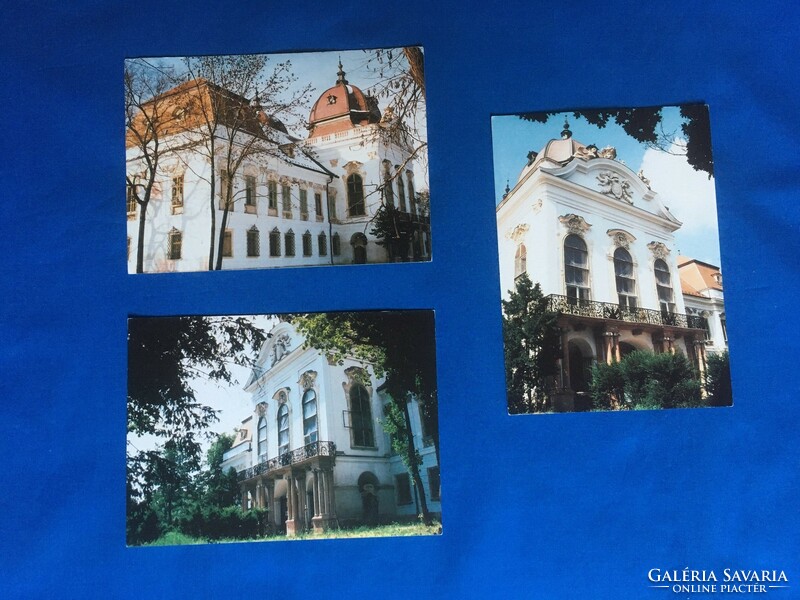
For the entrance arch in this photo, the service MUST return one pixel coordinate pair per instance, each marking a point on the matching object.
(580, 372)
(359, 243)
(368, 488)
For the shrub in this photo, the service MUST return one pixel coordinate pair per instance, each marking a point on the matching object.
(718, 380)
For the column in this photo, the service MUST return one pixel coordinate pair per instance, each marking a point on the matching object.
(315, 487)
(243, 489)
(617, 349)
(566, 383)
(260, 493)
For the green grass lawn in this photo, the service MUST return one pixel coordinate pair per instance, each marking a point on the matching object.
(392, 530)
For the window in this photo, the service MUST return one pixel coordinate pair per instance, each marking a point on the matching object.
(288, 243)
(388, 192)
(262, 439)
(412, 199)
(283, 429)
(433, 483)
(286, 199)
(130, 201)
(304, 204)
(250, 193)
(309, 416)
(576, 268)
(626, 283)
(332, 207)
(177, 195)
(225, 200)
(275, 242)
(318, 205)
(253, 242)
(336, 244)
(401, 192)
(402, 484)
(307, 244)
(272, 188)
(129, 247)
(322, 244)
(175, 242)
(664, 287)
(724, 325)
(361, 417)
(355, 195)
(520, 261)
(227, 244)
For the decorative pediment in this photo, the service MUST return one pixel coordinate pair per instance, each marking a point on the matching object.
(308, 379)
(261, 409)
(280, 348)
(281, 395)
(621, 238)
(517, 233)
(574, 223)
(357, 375)
(611, 184)
(352, 167)
(658, 249)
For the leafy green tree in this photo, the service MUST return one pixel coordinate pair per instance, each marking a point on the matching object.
(643, 125)
(220, 488)
(531, 340)
(718, 380)
(644, 380)
(400, 346)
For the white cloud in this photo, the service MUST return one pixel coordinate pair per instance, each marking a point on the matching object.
(689, 194)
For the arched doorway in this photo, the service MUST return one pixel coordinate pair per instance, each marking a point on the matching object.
(359, 244)
(368, 488)
(580, 373)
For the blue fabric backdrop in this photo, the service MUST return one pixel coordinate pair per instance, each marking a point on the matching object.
(567, 506)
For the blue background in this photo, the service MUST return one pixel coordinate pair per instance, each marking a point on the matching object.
(560, 506)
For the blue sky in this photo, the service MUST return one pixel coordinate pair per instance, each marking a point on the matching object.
(689, 194)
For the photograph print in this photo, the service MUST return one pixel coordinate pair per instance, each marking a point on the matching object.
(275, 427)
(610, 269)
(259, 161)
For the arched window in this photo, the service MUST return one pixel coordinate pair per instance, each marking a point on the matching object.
(401, 192)
(576, 269)
(322, 244)
(520, 261)
(253, 242)
(307, 243)
(388, 191)
(275, 242)
(288, 243)
(309, 416)
(361, 417)
(262, 439)
(664, 287)
(626, 283)
(359, 243)
(283, 429)
(175, 244)
(355, 195)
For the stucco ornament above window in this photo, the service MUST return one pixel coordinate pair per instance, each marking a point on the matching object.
(615, 186)
(308, 379)
(621, 238)
(658, 249)
(574, 223)
(281, 347)
(261, 409)
(517, 233)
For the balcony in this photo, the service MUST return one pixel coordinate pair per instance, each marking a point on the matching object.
(293, 457)
(614, 312)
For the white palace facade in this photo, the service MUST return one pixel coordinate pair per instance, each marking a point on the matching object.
(313, 451)
(294, 203)
(600, 242)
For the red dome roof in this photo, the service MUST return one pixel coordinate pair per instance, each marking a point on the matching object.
(341, 107)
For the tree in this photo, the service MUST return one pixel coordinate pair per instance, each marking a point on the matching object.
(643, 380)
(643, 125)
(219, 488)
(147, 120)
(165, 356)
(531, 341)
(240, 101)
(400, 346)
(718, 380)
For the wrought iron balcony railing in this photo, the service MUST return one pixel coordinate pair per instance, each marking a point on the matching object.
(289, 458)
(607, 310)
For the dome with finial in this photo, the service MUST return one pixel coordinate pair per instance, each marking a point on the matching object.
(342, 107)
(557, 151)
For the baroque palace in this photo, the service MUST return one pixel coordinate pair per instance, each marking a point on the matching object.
(313, 451)
(292, 202)
(600, 242)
